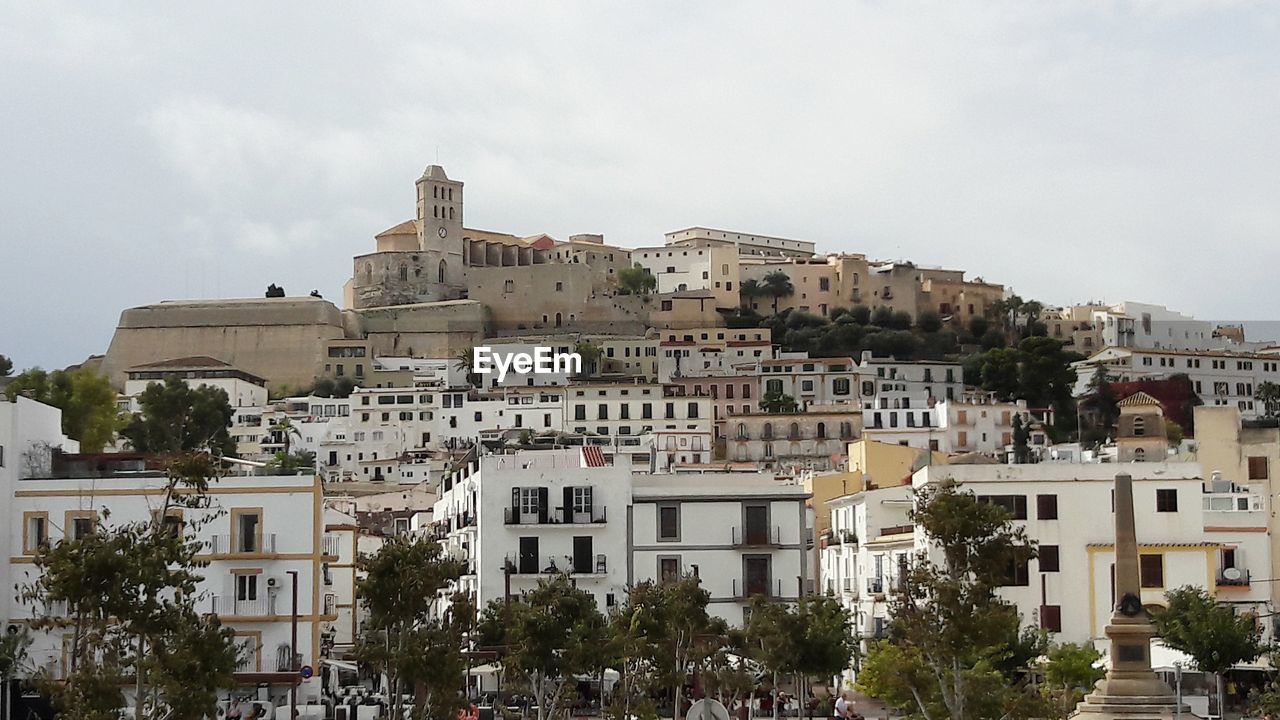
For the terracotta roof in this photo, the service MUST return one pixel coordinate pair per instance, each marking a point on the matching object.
(196, 361)
(408, 227)
(1137, 399)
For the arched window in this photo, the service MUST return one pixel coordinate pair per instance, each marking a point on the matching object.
(435, 191)
(450, 213)
(1139, 455)
(444, 270)
(559, 320)
(435, 211)
(1139, 426)
(404, 271)
(451, 194)
(766, 432)
(742, 431)
(794, 431)
(822, 430)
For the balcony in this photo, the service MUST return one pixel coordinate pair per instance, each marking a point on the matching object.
(875, 586)
(1232, 577)
(849, 586)
(594, 515)
(757, 536)
(593, 566)
(228, 605)
(842, 537)
(264, 544)
(329, 545)
(745, 590)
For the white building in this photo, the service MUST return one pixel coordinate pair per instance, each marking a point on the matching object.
(811, 381)
(1220, 378)
(516, 519)
(1140, 325)
(889, 384)
(243, 389)
(257, 532)
(742, 534)
(747, 243)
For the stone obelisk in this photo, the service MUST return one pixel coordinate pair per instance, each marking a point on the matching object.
(1130, 690)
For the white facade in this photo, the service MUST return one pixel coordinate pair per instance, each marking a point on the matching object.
(1140, 325)
(519, 518)
(811, 381)
(257, 530)
(1219, 378)
(890, 384)
(747, 243)
(610, 409)
(741, 534)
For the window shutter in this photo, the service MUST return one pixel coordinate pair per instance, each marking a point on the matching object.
(542, 504)
(568, 504)
(515, 504)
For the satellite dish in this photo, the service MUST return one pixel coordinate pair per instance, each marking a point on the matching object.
(1232, 573)
(707, 709)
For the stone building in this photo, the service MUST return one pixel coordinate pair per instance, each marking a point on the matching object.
(1140, 431)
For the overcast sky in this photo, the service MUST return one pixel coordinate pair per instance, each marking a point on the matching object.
(1073, 151)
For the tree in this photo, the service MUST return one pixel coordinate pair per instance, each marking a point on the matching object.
(1021, 450)
(1210, 632)
(1069, 672)
(1101, 399)
(87, 401)
(1173, 433)
(1268, 394)
(978, 326)
(636, 280)
(778, 402)
(929, 322)
(749, 290)
(590, 355)
(403, 636)
(882, 316)
(293, 463)
(861, 314)
(778, 285)
(287, 431)
(6, 366)
(551, 634)
(951, 635)
(901, 320)
(771, 640)
(176, 417)
(131, 609)
(827, 640)
(13, 660)
(275, 291)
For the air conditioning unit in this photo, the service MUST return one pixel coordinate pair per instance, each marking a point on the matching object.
(273, 583)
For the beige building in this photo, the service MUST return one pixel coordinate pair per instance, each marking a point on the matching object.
(1140, 430)
(814, 439)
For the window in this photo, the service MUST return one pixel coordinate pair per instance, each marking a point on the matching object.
(79, 524)
(1048, 558)
(669, 523)
(247, 586)
(246, 524)
(840, 386)
(668, 569)
(693, 410)
(1016, 505)
(582, 499)
(35, 532)
(1166, 500)
(1139, 426)
(529, 500)
(1017, 572)
(1258, 468)
(1046, 507)
(1051, 618)
(1151, 570)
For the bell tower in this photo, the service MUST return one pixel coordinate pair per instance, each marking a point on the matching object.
(440, 227)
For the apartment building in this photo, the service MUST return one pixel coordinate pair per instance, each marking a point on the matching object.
(1219, 378)
(243, 389)
(889, 383)
(747, 244)
(742, 535)
(814, 439)
(634, 408)
(516, 519)
(259, 532)
(712, 267)
(811, 381)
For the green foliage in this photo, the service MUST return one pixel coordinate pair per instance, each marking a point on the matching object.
(777, 285)
(978, 326)
(901, 320)
(13, 652)
(992, 339)
(130, 597)
(1021, 450)
(1069, 673)
(778, 402)
(861, 314)
(293, 463)
(87, 401)
(178, 418)
(955, 644)
(636, 281)
(1038, 370)
(882, 316)
(6, 366)
(1268, 394)
(551, 633)
(929, 322)
(1173, 432)
(401, 636)
(1210, 632)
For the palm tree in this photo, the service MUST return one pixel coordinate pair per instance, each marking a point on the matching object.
(287, 431)
(1269, 395)
(750, 289)
(463, 362)
(778, 285)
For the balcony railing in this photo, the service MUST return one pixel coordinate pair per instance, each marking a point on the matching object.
(230, 605)
(236, 545)
(1240, 579)
(753, 536)
(875, 586)
(743, 590)
(595, 564)
(594, 515)
(329, 545)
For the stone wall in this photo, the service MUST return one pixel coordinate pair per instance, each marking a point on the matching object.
(441, 329)
(556, 297)
(281, 339)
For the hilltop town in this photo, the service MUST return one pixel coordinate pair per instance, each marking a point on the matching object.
(748, 411)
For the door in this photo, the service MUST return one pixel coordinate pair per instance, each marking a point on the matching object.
(583, 558)
(528, 563)
(756, 575)
(756, 519)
